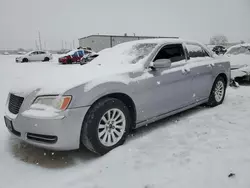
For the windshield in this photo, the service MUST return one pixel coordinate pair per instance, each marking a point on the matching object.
(126, 53)
(72, 52)
(239, 50)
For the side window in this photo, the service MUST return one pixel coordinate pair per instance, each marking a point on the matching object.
(80, 53)
(41, 52)
(196, 51)
(174, 52)
(34, 53)
(75, 54)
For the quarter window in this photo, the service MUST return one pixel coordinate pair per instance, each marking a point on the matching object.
(174, 52)
(196, 51)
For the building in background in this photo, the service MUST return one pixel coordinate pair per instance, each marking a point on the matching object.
(100, 42)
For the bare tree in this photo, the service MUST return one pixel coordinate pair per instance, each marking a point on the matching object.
(218, 40)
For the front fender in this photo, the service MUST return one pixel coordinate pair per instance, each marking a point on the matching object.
(222, 67)
(85, 95)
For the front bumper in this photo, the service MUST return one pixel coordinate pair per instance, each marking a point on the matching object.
(61, 132)
(18, 60)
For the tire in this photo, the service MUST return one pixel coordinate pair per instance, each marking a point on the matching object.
(217, 95)
(69, 61)
(91, 131)
(82, 63)
(25, 60)
(46, 59)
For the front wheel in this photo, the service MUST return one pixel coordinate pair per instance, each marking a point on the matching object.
(25, 60)
(106, 126)
(69, 61)
(218, 92)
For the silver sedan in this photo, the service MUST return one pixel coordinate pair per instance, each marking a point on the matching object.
(125, 87)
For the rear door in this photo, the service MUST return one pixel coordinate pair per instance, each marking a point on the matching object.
(201, 68)
(42, 55)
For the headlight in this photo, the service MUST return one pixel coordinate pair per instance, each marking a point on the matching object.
(58, 102)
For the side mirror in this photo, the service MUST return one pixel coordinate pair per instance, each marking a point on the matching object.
(162, 63)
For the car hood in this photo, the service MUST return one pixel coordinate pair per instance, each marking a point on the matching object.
(239, 61)
(240, 65)
(57, 79)
(21, 56)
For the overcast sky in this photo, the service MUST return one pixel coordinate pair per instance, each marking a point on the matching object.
(68, 20)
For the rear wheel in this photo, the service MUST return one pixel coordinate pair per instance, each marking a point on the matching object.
(69, 61)
(46, 59)
(218, 92)
(106, 126)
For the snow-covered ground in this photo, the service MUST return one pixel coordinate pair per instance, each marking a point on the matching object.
(198, 148)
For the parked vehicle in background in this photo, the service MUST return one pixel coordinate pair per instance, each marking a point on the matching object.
(239, 56)
(219, 50)
(63, 51)
(88, 58)
(84, 48)
(74, 56)
(125, 87)
(35, 56)
(91, 56)
(210, 46)
(21, 53)
(6, 53)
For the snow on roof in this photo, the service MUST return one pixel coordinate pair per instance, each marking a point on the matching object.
(128, 36)
(72, 52)
(161, 41)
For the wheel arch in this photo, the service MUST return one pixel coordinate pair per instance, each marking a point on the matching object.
(224, 76)
(126, 99)
(25, 59)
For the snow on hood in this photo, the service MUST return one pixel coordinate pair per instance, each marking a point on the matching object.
(109, 65)
(57, 79)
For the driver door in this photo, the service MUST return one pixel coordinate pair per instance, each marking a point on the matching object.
(33, 56)
(166, 89)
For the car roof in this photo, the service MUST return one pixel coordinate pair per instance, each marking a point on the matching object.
(37, 51)
(239, 45)
(162, 41)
